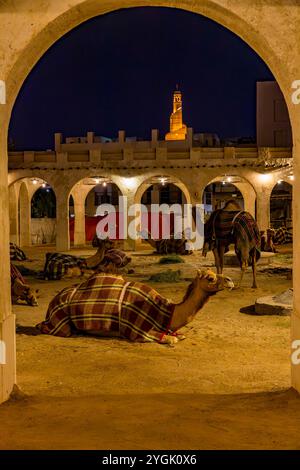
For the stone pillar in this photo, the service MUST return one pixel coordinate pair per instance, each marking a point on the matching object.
(14, 213)
(295, 320)
(263, 208)
(25, 215)
(62, 220)
(155, 194)
(249, 196)
(7, 319)
(90, 203)
(79, 195)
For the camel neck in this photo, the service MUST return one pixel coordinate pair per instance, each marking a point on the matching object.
(185, 311)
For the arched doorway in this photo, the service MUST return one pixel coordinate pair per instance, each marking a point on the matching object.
(225, 187)
(32, 212)
(85, 199)
(163, 199)
(216, 195)
(247, 22)
(281, 205)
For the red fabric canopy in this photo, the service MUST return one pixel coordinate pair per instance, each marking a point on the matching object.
(116, 231)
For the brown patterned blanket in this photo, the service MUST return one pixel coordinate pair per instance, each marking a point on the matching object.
(223, 227)
(107, 303)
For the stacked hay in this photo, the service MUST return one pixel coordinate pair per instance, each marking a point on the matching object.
(171, 259)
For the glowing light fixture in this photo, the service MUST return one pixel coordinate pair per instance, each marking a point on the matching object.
(130, 183)
(163, 181)
(104, 184)
(43, 185)
(265, 177)
(97, 180)
(291, 177)
(34, 181)
(229, 179)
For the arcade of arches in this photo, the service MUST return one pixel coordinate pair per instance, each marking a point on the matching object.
(254, 22)
(267, 200)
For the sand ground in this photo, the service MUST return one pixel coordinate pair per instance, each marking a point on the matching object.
(227, 385)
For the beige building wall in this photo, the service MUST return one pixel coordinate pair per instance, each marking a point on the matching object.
(273, 127)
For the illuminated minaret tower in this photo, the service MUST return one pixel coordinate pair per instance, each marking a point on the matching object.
(178, 130)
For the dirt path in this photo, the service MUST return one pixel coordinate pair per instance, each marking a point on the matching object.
(228, 375)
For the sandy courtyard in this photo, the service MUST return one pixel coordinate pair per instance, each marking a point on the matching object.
(227, 385)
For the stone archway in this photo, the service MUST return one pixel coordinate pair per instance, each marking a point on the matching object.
(254, 23)
(281, 205)
(87, 195)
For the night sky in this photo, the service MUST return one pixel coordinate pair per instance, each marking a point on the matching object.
(119, 71)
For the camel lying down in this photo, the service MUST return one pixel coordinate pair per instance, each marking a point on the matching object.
(107, 305)
(20, 290)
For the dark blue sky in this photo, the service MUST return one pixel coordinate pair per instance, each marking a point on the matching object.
(119, 71)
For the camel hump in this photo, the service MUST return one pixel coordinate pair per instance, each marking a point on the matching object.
(232, 205)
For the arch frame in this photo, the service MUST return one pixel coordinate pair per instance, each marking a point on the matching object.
(254, 23)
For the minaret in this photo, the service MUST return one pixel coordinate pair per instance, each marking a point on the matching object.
(178, 130)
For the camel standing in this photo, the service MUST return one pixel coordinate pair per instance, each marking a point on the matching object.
(232, 225)
(107, 305)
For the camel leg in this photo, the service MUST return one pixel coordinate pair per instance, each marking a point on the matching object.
(243, 269)
(217, 260)
(254, 284)
(221, 258)
(169, 340)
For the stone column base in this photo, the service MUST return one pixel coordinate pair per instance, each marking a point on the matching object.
(296, 367)
(7, 370)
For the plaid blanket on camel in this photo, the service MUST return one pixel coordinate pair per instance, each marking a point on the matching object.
(245, 229)
(115, 256)
(16, 254)
(57, 264)
(172, 245)
(218, 229)
(107, 303)
(282, 236)
(15, 274)
(225, 226)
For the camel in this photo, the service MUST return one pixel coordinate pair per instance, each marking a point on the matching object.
(60, 265)
(232, 225)
(20, 291)
(168, 245)
(107, 305)
(113, 258)
(16, 253)
(279, 236)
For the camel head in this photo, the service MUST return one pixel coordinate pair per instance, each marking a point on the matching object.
(211, 282)
(29, 296)
(104, 244)
(270, 233)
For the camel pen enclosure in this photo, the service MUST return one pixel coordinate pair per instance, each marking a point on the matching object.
(236, 375)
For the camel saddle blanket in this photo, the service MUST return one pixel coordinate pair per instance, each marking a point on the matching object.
(245, 226)
(15, 274)
(219, 227)
(57, 264)
(107, 303)
(172, 245)
(16, 253)
(282, 236)
(117, 257)
(222, 226)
